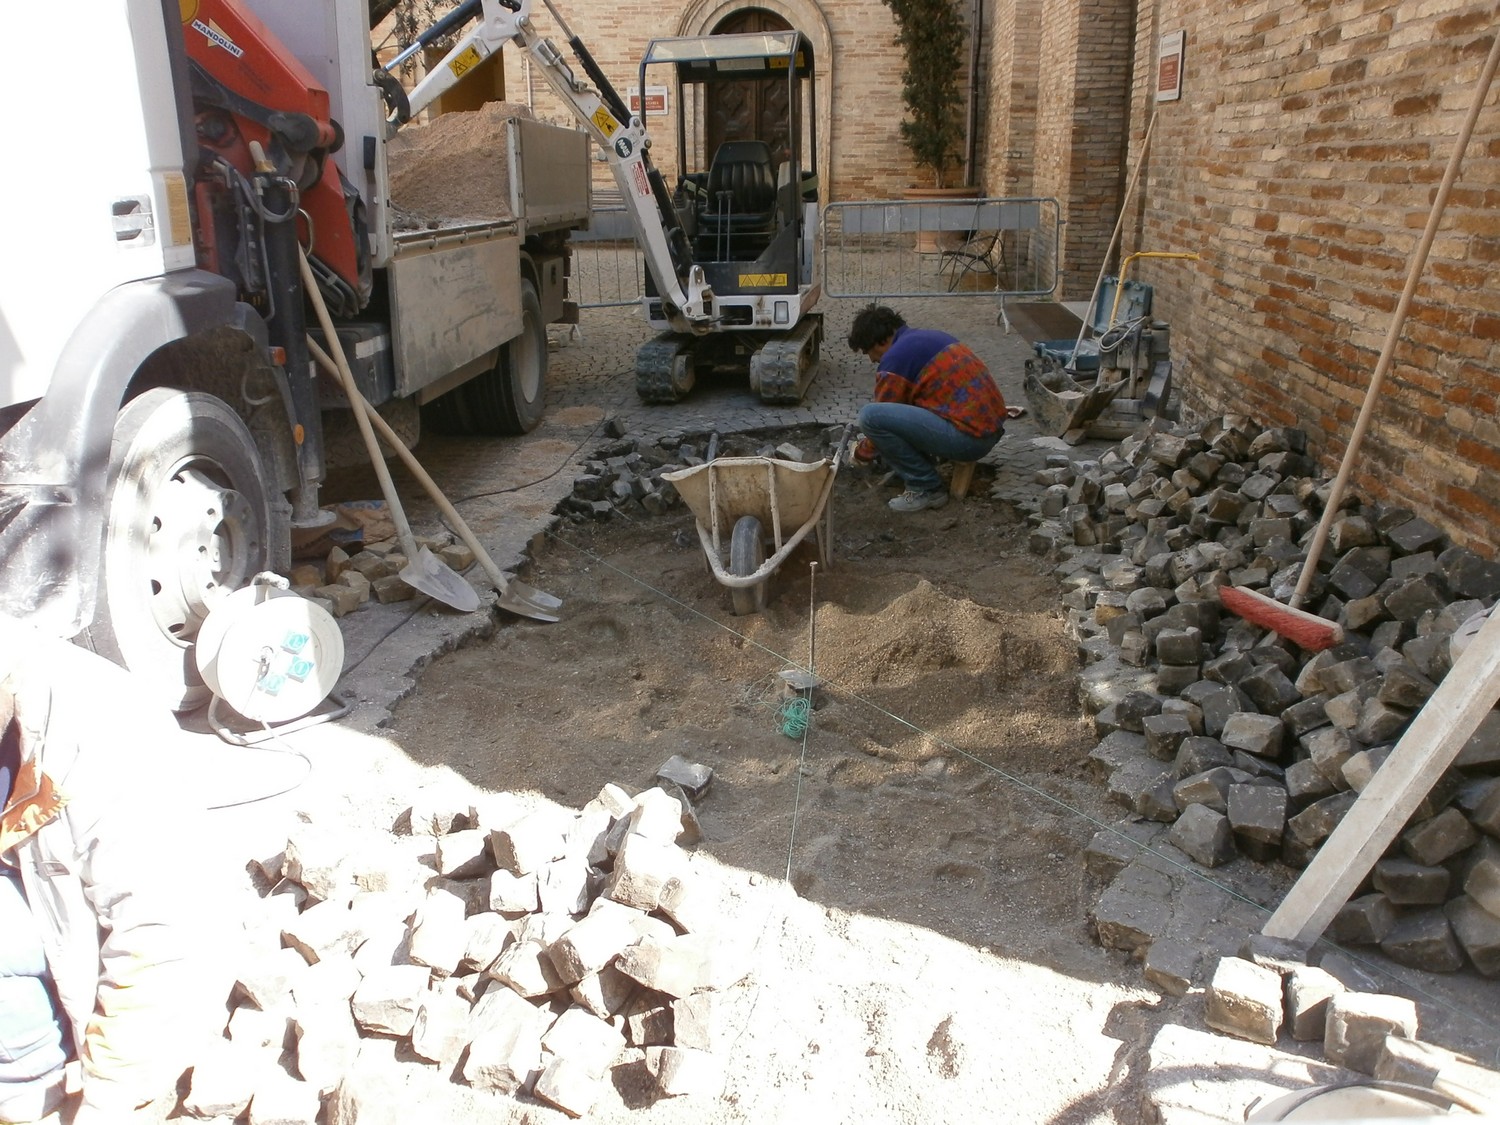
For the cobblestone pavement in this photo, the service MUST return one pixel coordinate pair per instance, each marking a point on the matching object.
(594, 367)
(508, 488)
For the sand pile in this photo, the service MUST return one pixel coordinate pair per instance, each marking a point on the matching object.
(454, 169)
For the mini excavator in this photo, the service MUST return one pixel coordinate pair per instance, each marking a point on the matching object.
(729, 249)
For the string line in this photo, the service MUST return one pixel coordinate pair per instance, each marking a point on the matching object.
(1020, 783)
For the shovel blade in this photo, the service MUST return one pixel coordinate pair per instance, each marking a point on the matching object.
(436, 579)
(527, 601)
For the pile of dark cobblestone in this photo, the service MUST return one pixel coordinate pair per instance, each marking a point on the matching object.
(628, 476)
(1241, 741)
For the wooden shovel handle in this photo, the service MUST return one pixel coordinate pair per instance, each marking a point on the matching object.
(371, 416)
(340, 366)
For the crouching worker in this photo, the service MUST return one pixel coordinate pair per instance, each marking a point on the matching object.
(934, 399)
(105, 964)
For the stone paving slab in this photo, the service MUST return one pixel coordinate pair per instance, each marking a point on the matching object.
(1195, 1076)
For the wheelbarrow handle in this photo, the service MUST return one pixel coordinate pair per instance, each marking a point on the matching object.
(844, 440)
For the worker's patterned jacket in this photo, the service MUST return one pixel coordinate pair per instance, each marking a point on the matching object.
(931, 369)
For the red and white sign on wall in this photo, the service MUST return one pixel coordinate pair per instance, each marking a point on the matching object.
(1169, 67)
(656, 101)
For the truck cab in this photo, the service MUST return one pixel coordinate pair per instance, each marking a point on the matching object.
(163, 429)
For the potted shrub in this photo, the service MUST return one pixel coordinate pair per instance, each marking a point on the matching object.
(931, 34)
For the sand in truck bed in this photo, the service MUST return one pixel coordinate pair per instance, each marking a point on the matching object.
(453, 170)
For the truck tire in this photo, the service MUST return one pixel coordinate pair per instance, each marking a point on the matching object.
(189, 523)
(510, 397)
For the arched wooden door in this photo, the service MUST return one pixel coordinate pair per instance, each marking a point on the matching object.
(747, 111)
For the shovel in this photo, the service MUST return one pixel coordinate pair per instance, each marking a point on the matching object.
(515, 596)
(423, 570)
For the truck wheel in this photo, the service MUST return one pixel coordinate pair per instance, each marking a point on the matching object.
(523, 370)
(189, 523)
(747, 553)
(510, 397)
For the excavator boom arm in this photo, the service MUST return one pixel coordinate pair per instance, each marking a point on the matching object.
(686, 297)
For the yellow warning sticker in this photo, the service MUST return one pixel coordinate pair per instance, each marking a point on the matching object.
(466, 62)
(607, 124)
(776, 64)
(761, 280)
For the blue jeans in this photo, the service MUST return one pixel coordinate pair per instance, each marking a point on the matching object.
(912, 439)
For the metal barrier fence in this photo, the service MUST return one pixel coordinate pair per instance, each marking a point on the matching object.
(996, 247)
(1003, 248)
(607, 267)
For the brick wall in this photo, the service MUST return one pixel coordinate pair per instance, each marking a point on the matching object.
(858, 127)
(1059, 93)
(859, 79)
(869, 158)
(1301, 163)
(1011, 96)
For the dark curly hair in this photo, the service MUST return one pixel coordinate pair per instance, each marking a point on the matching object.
(873, 324)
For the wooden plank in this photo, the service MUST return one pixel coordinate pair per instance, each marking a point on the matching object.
(1428, 747)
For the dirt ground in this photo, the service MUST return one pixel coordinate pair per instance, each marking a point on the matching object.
(933, 963)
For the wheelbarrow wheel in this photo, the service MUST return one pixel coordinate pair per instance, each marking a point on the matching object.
(747, 554)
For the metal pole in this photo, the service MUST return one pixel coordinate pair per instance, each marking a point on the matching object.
(812, 617)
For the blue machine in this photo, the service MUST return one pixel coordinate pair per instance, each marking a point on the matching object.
(1135, 305)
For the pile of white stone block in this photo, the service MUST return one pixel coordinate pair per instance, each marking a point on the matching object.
(1271, 993)
(520, 948)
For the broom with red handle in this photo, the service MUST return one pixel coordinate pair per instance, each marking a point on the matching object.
(1305, 629)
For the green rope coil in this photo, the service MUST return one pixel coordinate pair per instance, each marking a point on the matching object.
(796, 715)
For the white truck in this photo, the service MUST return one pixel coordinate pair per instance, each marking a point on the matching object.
(162, 426)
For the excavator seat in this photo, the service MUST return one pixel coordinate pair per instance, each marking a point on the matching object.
(740, 208)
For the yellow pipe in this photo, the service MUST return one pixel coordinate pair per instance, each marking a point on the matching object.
(1120, 287)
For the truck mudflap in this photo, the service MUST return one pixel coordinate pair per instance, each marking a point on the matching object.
(54, 462)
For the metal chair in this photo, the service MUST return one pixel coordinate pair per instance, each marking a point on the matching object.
(980, 252)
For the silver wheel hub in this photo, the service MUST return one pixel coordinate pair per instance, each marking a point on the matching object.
(199, 535)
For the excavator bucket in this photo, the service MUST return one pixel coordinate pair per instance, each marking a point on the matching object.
(1061, 404)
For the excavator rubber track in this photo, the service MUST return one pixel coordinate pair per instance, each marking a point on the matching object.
(664, 371)
(782, 368)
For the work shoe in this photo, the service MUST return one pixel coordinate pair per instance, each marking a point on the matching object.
(914, 501)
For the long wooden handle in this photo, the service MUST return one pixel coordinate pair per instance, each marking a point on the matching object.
(346, 378)
(1088, 316)
(1398, 321)
(371, 416)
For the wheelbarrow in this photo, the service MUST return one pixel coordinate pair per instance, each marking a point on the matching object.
(753, 502)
